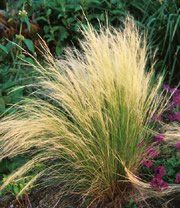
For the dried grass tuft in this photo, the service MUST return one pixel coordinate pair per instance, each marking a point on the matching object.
(90, 112)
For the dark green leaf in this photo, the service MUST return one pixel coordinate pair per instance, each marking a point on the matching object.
(4, 49)
(29, 45)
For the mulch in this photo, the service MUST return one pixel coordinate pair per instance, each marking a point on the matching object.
(48, 198)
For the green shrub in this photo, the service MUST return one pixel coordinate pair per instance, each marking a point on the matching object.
(60, 21)
(159, 19)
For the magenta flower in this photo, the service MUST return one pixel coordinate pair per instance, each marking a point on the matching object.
(152, 153)
(166, 87)
(147, 163)
(158, 184)
(174, 117)
(177, 145)
(176, 99)
(177, 116)
(159, 138)
(171, 117)
(160, 171)
(174, 90)
(177, 180)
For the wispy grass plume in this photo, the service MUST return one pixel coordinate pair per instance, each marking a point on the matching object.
(91, 111)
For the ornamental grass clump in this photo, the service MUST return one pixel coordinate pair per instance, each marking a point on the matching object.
(89, 114)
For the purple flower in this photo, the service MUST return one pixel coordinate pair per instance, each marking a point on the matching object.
(152, 153)
(159, 138)
(174, 90)
(160, 171)
(174, 117)
(147, 163)
(177, 145)
(176, 99)
(171, 117)
(166, 87)
(158, 184)
(177, 116)
(177, 180)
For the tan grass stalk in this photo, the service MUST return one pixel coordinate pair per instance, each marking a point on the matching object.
(172, 133)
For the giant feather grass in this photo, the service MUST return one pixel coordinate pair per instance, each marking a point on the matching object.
(91, 110)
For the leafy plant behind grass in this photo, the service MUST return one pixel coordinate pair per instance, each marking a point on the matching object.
(12, 81)
(60, 20)
(92, 110)
(162, 24)
(160, 19)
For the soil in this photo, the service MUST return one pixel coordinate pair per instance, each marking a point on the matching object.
(44, 198)
(48, 198)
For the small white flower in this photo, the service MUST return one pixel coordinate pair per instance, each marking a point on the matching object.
(22, 13)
